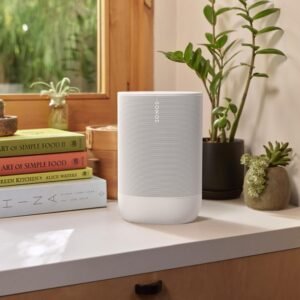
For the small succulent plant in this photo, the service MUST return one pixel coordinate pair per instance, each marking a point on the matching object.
(57, 92)
(277, 154)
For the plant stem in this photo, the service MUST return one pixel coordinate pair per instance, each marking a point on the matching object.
(246, 90)
(214, 36)
(214, 131)
(223, 136)
(212, 117)
(221, 80)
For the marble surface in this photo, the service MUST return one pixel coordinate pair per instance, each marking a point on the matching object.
(58, 249)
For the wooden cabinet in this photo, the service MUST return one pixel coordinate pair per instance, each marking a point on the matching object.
(270, 276)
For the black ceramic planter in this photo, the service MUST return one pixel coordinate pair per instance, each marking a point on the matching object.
(223, 173)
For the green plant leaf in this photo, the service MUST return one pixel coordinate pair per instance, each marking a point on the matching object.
(265, 13)
(210, 14)
(260, 75)
(268, 152)
(203, 68)
(188, 53)
(245, 16)
(215, 55)
(233, 108)
(283, 162)
(270, 51)
(221, 122)
(211, 47)
(176, 56)
(214, 86)
(250, 28)
(284, 146)
(271, 146)
(246, 65)
(218, 110)
(209, 37)
(277, 146)
(40, 83)
(275, 155)
(259, 3)
(220, 43)
(268, 29)
(216, 123)
(196, 57)
(223, 10)
(251, 46)
(243, 2)
(207, 69)
(229, 47)
(240, 9)
(223, 33)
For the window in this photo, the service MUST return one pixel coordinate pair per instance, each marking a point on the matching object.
(125, 64)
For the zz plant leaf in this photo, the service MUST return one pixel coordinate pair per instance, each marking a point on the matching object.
(269, 29)
(221, 41)
(176, 56)
(209, 37)
(188, 53)
(265, 13)
(223, 10)
(210, 14)
(270, 51)
(257, 4)
(260, 75)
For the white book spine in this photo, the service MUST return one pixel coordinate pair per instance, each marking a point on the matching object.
(52, 197)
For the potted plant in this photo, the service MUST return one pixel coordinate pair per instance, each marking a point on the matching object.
(266, 184)
(213, 62)
(8, 124)
(58, 117)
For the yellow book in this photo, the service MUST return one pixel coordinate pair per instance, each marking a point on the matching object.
(41, 141)
(46, 177)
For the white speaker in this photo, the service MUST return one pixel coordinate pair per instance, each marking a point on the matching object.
(159, 156)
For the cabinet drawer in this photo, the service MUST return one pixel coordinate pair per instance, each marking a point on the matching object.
(271, 276)
(113, 289)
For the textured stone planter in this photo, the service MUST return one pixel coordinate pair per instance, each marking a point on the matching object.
(277, 193)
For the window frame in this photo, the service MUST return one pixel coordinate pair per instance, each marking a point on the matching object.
(102, 63)
(128, 63)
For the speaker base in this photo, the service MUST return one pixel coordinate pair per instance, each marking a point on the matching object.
(159, 210)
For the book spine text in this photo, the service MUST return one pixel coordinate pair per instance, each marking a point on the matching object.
(52, 197)
(45, 177)
(42, 163)
(58, 144)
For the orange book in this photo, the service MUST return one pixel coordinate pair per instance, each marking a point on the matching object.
(42, 163)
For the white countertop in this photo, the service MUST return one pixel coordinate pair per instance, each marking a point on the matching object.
(52, 250)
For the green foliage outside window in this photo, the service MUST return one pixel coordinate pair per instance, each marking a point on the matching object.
(47, 40)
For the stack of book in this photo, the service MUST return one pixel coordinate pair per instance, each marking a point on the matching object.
(45, 170)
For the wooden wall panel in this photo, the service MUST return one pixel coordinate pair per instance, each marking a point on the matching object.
(130, 67)
(141, 48)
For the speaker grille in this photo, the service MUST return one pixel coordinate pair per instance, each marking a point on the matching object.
(160, 144)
